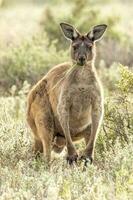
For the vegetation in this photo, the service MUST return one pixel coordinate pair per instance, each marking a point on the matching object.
(22, 63)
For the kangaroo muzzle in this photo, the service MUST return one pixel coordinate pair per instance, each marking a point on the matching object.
(81, 60)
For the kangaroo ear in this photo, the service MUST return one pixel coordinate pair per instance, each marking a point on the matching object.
(97, 32)
(69, 31)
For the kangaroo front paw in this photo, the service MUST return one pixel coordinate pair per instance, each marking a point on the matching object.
(88, 159)
(72, 158)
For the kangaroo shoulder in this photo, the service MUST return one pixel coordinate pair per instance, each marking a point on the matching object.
(57, 70)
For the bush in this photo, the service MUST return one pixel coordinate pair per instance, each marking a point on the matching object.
(118, 120)
(29, 61)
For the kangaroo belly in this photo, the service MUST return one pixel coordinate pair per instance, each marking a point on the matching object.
(80, 112)
(80, 121)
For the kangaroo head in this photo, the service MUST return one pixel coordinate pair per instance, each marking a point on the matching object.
(82, 46)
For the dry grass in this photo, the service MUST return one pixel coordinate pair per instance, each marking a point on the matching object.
(24, 177)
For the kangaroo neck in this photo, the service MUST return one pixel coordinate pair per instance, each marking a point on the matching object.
(78, 73)
(87, 68)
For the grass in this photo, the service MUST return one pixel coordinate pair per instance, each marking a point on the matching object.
(24, 177)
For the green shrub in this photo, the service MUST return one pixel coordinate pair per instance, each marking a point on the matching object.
(118, 119)
(29, 61)
(109, 76)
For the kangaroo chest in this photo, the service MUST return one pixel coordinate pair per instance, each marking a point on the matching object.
(78, 94)
(80, 99)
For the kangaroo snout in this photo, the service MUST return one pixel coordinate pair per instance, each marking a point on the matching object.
(81, 60)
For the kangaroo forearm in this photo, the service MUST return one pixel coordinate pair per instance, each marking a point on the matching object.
(96, 122)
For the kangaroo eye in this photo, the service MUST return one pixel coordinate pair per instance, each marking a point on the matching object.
(89, 47)
(75, 47)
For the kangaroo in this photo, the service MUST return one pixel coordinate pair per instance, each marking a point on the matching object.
(66, 105)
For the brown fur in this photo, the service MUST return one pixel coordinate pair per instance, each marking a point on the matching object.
(66, 106)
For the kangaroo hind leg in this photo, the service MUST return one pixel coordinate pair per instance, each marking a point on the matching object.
(44, 123)
(37, 146)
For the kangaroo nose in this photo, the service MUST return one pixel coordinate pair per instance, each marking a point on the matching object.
(81, 60)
